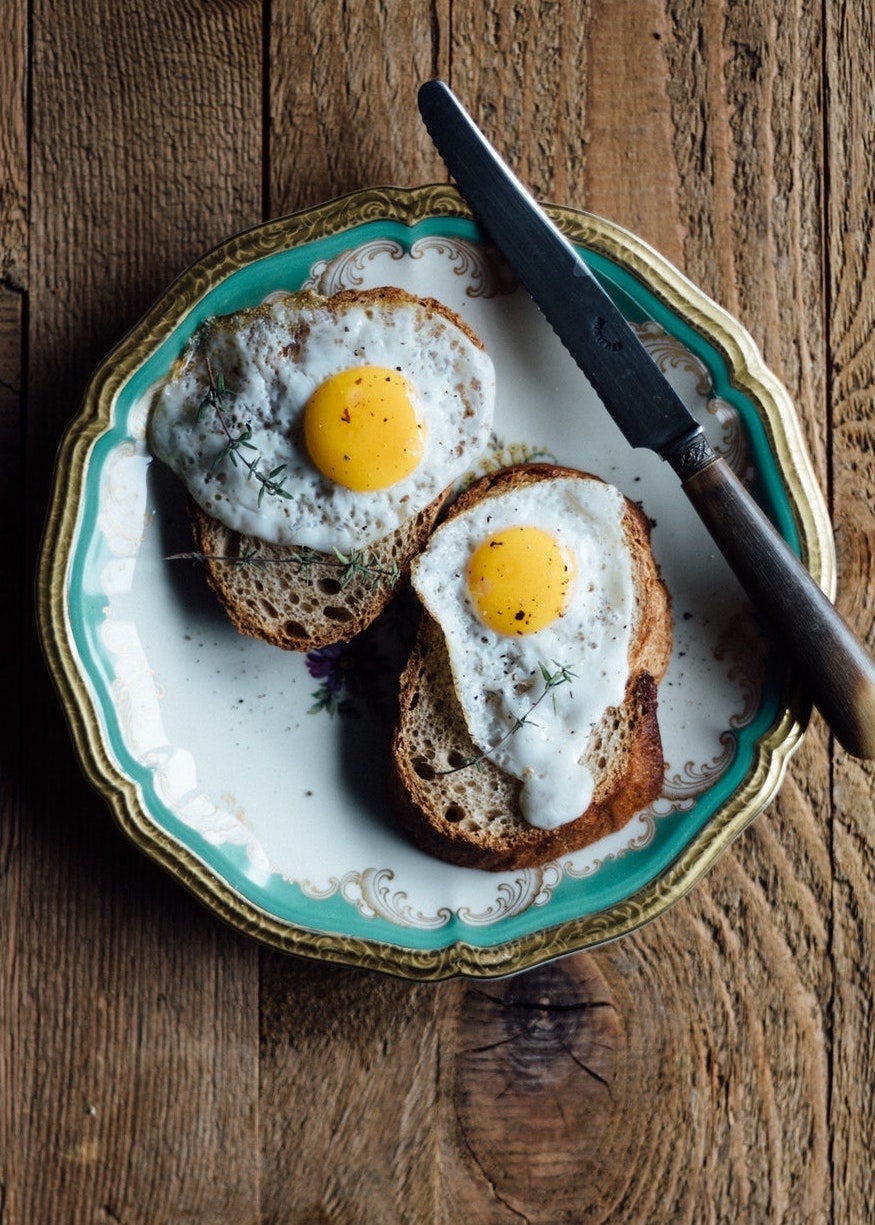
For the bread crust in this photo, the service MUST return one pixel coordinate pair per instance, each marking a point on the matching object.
(268, 594)
(470, 816)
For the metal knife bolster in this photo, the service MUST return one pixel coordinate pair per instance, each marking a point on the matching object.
(689, 454)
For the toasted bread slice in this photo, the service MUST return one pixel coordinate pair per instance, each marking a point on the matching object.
(298, 599)
(272, 586)
(470, 814)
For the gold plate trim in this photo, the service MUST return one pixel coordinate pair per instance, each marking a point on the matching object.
(410, 206)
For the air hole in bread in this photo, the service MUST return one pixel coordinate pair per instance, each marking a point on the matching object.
(329, 586)
(456, 759)
(454, 813)
(334, 613)
(424, 769)
(294, 629)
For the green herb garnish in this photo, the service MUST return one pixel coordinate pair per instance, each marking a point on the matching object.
(349, 566)
(552, 680)
(236, 444)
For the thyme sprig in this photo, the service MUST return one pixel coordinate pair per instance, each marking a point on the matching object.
(349, 566)
(271, 482)
(552, 680)
(357, 564)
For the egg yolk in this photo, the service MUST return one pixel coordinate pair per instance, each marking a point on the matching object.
(519, 580)
(361, 428)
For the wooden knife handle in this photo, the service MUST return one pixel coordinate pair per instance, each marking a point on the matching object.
(831, 661)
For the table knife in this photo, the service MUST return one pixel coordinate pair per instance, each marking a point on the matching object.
(832, 664)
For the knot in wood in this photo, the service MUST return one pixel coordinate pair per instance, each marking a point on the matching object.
(534, 1083)
(541, 1022)
(547, 1026)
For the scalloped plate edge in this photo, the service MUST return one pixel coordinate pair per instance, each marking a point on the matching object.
(747, 371)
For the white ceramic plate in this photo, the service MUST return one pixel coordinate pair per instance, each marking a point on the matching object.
(256, 776)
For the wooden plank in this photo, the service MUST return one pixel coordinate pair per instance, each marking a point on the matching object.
(850, 98)
(691, 161)
(349, 1059)
(562, 1094)
(135, 1017)
(342, 97)
(356, 1124)
(13, 285)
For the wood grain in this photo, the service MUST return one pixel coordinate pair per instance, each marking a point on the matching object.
(13, 285)
(134, 1041)
(342, 97)
(850, 97)
(714, 1066)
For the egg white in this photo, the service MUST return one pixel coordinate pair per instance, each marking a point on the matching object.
(500, 681)
(271, 359)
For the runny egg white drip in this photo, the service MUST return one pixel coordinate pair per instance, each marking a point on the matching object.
(499, 679)
(271, 360)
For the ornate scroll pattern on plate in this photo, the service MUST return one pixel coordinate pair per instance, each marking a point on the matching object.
(670, 354)
(531, 887)
(486, 275)
(371, 892)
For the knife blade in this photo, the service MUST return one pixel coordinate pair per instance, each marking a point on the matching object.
(831, 662)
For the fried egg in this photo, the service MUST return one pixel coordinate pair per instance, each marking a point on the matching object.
(325, 422)
(533, 590)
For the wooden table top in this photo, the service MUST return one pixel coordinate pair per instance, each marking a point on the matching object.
(160, 1067)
